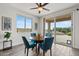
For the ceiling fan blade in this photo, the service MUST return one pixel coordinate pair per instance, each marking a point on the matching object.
(34, 8)
(44, 4)
(37, 4)
(46, 9)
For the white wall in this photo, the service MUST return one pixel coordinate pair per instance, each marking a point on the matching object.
(8, 11)
(76, 29)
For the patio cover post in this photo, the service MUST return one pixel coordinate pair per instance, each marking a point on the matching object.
(49, 24)
(43, 27)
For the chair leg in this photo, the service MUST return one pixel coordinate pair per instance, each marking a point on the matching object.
(43, 53)
(27, 51)
(50, 52)
(38, 50)
(32, 48)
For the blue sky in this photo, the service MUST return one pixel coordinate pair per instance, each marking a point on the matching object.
(62, 24)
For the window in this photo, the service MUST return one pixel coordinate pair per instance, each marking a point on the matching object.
(28, 23)
(23, 24)
(46, 26)
(20, 21)
(52, 26)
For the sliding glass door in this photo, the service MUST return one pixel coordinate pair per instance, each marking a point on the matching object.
(63, 32)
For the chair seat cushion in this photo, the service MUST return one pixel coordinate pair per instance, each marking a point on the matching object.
(42, 46)
(32, 44)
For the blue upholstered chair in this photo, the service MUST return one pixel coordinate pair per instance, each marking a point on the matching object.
(27, 44)
(46, 45)
(48, 34)
(33, 35)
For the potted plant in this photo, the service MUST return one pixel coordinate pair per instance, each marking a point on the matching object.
(7, 35)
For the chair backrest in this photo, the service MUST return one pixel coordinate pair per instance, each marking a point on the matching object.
(48, 42)
(48, 34)
(33, 34)
(25, 42)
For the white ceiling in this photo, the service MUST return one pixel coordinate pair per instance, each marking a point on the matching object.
(52, 6)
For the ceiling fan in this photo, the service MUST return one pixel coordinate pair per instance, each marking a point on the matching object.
(40, 7)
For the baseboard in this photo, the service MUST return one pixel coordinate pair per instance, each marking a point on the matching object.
(10, 47)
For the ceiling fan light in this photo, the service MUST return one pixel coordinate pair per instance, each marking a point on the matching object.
(40, 9)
